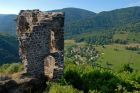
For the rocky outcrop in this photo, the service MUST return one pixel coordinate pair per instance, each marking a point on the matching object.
(41, 42)
(26, 85)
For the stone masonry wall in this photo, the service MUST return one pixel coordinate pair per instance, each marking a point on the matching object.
(41, 42)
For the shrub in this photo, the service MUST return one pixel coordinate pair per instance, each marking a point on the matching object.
(133, 48)
(57, 88)
(105, 81)
(127, 68)
(11, 68)
(14, 68)
(73, 78)
(136, 77)
(3, 68)
(101, 81)
(138, 52)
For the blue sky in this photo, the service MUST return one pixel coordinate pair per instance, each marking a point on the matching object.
(14, 6)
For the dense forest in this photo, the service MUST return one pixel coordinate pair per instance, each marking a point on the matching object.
(126, 19)
(8, 48)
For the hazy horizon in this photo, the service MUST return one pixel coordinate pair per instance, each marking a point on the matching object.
(14, 6)
(66, 7)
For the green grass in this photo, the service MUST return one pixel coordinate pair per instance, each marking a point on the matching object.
(117, 55)
(132, 37)
(69, 42)
(81, 77)
(121, 36)
(84, 78)
(57, 88)
(11, 68)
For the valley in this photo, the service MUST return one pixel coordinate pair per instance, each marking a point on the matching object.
(102, 51)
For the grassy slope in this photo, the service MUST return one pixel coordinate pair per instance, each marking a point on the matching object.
(118, 57)
(116, 54)
(130, 36)
(69, 42)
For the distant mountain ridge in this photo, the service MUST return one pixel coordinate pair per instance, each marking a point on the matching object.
(77, 22)
(7, 23)
(8, 48)
(75, 14)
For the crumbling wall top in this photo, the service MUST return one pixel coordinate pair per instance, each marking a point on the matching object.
(27, 19)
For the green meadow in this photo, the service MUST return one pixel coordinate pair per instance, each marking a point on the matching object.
(116, 55)
(129, 36)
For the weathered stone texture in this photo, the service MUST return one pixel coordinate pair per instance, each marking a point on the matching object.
(41, 42)
(26, 85)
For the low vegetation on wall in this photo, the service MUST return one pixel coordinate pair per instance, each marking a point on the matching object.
(11, 68)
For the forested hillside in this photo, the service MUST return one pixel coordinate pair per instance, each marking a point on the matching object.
(117, 26)
(127, 19)
(8, 48)
(79, 21)
(7, 23)
(75, 14)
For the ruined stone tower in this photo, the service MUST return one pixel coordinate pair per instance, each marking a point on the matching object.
(41, 42)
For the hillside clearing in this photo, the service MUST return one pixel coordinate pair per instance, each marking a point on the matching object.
(117, 55)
